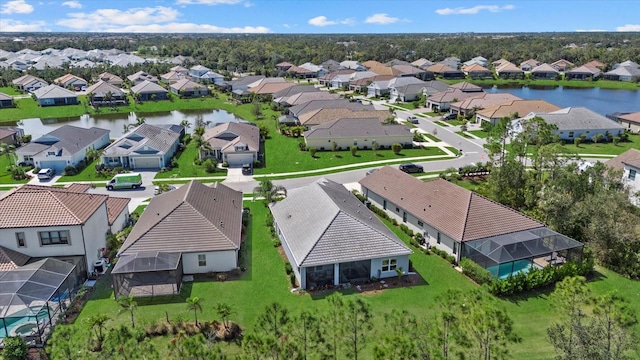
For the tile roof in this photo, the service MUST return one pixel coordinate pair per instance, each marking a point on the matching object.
(632, 117)
(53, 91)
(475, 68)
(452, 210)
(630, 157)
(70, 140)
(110, 78)
(143, 139)
(451, 95)
(4, 96)
(521, 107)
(27, 79)
(4, 133)
(270, 88)
(441, 68)
(338, 228)
(484, 100)
(56, 207)
(11, 259)
(370, 127)
(585, 69)
(193, 218)
(466, 86)
(579, 118)
(296, 89)
(544, 68)
(101, 88)
(322, 116)
(595, 63)
(304, 97)
(147, 87)
(313, 105)
(624, 71)
(531, 62)
(186, 84)
(422, 62)
(68, 77)
(226, 136)
(115, 206)
(508, 67)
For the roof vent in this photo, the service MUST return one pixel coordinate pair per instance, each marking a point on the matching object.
(289, 216)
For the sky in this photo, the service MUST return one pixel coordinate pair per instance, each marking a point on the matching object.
(318, 16)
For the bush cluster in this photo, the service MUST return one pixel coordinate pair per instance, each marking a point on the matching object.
(476, 272)
(445, 255)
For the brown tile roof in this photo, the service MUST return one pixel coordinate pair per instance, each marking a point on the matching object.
(475, 68)
(64, 78)
(4, 133)
(484, 100)
(440, 68)
(221, 136)
(630, 157)
(270, 88)
(384, 70)
(331, 75)
(55, 207)
(633, 117)
(562, 62)
(367, 81)
(372, 63)
(596, 64)
(452, 94)
(521, 107)
(10, 259)
(452, 210)
(322, 116)
(78, 187)
(194, 217)
(507, 67)
(115, 206)
(530, 62)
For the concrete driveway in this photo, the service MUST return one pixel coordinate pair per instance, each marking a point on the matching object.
(234, 175)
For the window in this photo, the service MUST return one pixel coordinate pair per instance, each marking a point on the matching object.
(404, 216)
(438, 238)
(455, 247)
(389, 264)
(632, 174)
(21, 240)
(54, 237)
(202, 260)
(570, 133)
(420, 223)
(51, 152)
(397, 209)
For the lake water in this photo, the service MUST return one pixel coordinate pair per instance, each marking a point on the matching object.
(602, 101)
(115, 122)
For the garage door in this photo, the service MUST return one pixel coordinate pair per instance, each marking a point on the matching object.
(239, 159)
(58, 166)
(146, 163)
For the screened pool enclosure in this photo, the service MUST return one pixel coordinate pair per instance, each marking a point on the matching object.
(33, 296)
(508, 254)
(146, 274)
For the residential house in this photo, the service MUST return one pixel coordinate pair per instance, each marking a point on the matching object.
(369, 64)
(317, 70)
(141, 77)
(513, 110)
(71, 81)
(111, 79)
(442, 101)
(234, 143)
(596, 64)
(147, 90)
(325, 80)
(627, 63)
(379, 87)
(67, 224)
(197, 71)
(451, 62)
(467, 87)
(507, 70)
(623, 73)
(478, 60)
(340, 81)
(405, 89)
(410, 70)
(62, 147)
(188, 88)
(283, 66)
(583, 73)
(544, 71)
(361, 85)
(465, 224)
(476, 71)
(500, 62)
(281, 96)
(469, 106)
(103, 93)
(266, 89)
(573, 122)
(434, 86)
(630, 121)
(629, 164)
(241, 83)
(445, 72)
(6, 101)
(303, 97)
(301, 73)
(11, 135)
(29, 83)
(322, 116)
(396, 62)
(172, 77)
(422, 63)
(352, 65)
(359, 132)
(211, 77)
(315, 105)
(529, 64)
(562, 65)
(180, 70)
(55, 95)
(344, 243)
(145, 147)
(330, 65)
(195, 229)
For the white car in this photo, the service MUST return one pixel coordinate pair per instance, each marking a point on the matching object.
(46, 174)
(156, 189)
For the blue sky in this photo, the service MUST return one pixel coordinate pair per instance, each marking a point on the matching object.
(318, 16)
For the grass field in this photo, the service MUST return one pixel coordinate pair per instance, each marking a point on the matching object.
(186, 167)
(9, 90)
(479, 133)
(432, 137)
(87, 174)
(440, 123)
(5, 176)
(265, 282)
(607, 148)
(461, 133)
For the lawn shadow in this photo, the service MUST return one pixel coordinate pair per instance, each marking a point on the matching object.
(372, 288)
(185, 293)
(379, 155)
(542, 293)
(356, 155)
(400, 154)
(246, 251)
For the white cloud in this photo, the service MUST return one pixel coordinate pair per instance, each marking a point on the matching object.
(72, 4)
(474, 10)
(289, 26)
(10, 25)
(208, 2)
(16, 7)
(629, 27)
(323, 21)
(382, 19)
(109, 18)
(188, 28)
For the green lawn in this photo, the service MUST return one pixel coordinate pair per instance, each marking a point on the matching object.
(607, 148)
(440, 123)
(9, 90)
(432, 114)
(5, 176)
(265, 282)
(186, 167)
(408, 106)
(479, 133)
(87, 174)
(454, 122)
(461, 133)
(432, 137)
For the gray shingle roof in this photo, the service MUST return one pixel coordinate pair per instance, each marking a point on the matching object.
(327, 104)
(71, 140)
(371, 127)
(226, 136)
(54, 92)
(630, 157)
(101, 88)
(579, 118)
(323, 223)
(452, 210)
(192, 218)
(11, 259)
(140, 139)
(147, 87)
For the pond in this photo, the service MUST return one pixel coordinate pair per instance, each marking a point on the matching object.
(602, 101)
(115, 122)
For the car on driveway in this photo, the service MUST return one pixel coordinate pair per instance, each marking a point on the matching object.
(410, 168)
(450, 116)
(157, 190)
(247, 169)
(46, 174)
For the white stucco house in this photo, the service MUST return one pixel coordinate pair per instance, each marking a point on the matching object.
(359, 132)
(234, 143)
(64, 146)
(145, 147)
(67, 224)
(337, 240)
(629, 163)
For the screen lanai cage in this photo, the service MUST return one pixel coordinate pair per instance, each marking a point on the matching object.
(508, 254)
(33, 296)
(147, 274)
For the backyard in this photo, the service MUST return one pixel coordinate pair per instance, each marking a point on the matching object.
(602, 148)
(186, 166)
(265, 282)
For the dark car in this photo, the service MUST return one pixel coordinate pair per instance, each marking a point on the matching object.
(450, 116)
(411, 168)
(247, 169)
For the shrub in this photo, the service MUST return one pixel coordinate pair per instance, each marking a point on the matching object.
(292, 279)
(288, 268)
(313, 150)
(197, 162)
(209, 166)
(577, 141)
(15, 348)
(358, 195)
(354, 150)
(476, 272)
(26, 138)
(396, 147)
(70, 171)
(257, 164)
(225, 164)
(616, 140)
(174, 163)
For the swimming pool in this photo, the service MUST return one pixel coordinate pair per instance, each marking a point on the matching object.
(503, 271)
(23, 325)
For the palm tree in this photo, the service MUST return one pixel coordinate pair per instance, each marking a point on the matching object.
(139, 121)
(8, 150)
(98, 324)
(195, 304)
(224, 310)
(108, 97)
(185, 123)
(268, 191)
(128, 304)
